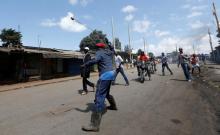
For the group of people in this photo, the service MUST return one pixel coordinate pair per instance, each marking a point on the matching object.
(150, 64)
(188, 63)
(107, 75)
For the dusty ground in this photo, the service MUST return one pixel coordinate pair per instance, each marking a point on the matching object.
(209, 86)
(167, 105)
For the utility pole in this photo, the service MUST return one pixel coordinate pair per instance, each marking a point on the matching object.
(176, 49)
(129, 40)
(217, 21)
(210, 41)
(39, 45)
(144, 45)
(194, 51)
(19, 28)
(218, 27)
(176, 55)
(113, 34)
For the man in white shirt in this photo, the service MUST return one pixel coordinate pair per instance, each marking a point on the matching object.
(119, 68)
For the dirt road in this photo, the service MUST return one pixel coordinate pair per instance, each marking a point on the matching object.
(167, 105)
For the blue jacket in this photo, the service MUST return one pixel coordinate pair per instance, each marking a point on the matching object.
(104, 60)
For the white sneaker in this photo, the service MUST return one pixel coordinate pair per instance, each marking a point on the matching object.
(189, 80)
(84, 93)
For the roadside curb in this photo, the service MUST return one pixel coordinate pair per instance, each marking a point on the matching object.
(39, 83)
(18, 86)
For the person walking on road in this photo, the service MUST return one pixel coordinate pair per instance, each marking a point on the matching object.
(195, 63)
(203, 59)
(165, 64)
(119, 68)
(183, 60)
(153, 61)
(85, 73)
(103, 59)
(145, 58)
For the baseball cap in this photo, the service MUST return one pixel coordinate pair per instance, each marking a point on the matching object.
(86, 48)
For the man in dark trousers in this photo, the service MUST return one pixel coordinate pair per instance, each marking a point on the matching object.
(104, 59)
(165, 64)
(183, 60)
(144, 57)
(85, 73)
(119, 68)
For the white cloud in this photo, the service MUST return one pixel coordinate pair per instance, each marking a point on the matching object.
(186, 6)
(196, 25)
(129, 9)
(73, 2)
(49, 23)
(65, 23)
(169, 44)
(141, 26)
(203, 46)
(87, 17)
(174, 17)
(195, 10)
(199, 8)
(85, 2)
(194, 14)
(82, 2)
(166, 45)
(129, 17)
(160, 33)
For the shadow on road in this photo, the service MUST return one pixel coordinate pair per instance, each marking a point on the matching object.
(164, 75)
(80, 91)
(138, 80)
(118, 84)
(216, 81)
(178, 80)
(90, 107)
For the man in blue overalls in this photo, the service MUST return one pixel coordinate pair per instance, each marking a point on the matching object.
(104, 59)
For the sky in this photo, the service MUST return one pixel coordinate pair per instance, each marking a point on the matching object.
(163, 24)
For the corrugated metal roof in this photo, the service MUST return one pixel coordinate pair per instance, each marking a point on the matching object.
(8, 50)
(63, 55)
(47, 53)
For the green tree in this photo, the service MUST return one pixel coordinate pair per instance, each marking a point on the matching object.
(139, 51)
(10, 37)
(175, 53)
(151, 54)
(93, 38)
(117, 44)
(127, 49)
